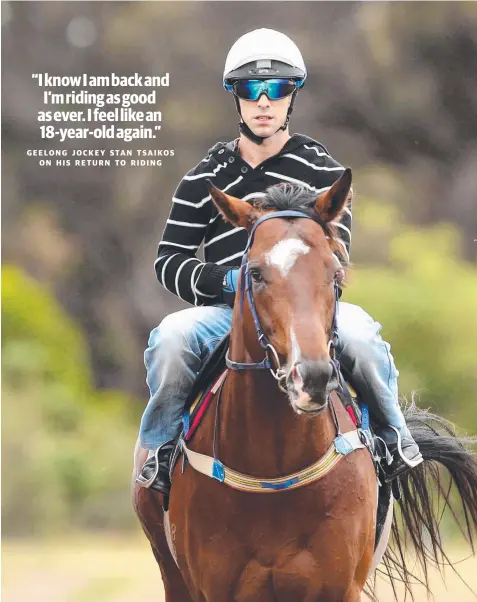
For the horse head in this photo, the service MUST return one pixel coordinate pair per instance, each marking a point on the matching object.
(291, 273)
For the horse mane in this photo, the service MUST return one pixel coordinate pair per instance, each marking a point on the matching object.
(285, 196)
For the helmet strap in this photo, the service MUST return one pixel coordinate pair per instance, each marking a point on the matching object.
(290, 108)
(246, 131)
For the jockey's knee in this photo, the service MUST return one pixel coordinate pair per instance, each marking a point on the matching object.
(356, 328)
(188, 335)
(179, 325)
(173, 337)
(359, 338)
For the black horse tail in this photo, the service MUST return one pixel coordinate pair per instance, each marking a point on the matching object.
(426, 492)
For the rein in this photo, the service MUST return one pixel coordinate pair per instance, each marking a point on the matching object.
(271, 361)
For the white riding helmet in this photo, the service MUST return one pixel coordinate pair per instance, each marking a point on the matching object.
(262, 54)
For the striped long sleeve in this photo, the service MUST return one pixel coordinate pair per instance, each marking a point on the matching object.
(194, 219)
(177, 267)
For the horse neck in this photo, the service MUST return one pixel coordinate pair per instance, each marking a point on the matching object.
(258, 431)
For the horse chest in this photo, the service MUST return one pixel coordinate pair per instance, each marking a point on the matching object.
(261, 547)
(247, 575)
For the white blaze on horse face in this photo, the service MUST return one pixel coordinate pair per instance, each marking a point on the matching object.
(301, 400)
(285, 253)
(296, 352)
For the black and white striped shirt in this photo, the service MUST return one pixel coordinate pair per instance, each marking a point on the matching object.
(194, 219)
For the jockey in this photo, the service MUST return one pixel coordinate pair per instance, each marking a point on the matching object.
(264, 71)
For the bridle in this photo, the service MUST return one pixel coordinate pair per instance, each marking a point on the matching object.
(271, 361)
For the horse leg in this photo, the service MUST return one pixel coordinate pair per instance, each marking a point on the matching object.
(147, 504)
(353, 594)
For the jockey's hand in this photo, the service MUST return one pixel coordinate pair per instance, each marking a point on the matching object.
(229, 287)
(231, 280)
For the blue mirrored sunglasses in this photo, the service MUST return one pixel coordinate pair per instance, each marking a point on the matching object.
(252, 89)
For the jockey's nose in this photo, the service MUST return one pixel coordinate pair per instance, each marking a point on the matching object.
(263, 100)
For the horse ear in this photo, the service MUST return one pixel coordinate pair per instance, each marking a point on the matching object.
(332, 202)
(236, 211)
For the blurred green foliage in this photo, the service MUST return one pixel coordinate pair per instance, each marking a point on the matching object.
(67, 448)
(425, 297)
(40, 342)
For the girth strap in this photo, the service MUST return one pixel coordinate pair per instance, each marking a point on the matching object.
(212, 467)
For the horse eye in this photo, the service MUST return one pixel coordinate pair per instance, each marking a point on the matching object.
(256, 275)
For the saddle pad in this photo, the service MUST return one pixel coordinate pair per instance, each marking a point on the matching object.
(211, 370)
(193, 416)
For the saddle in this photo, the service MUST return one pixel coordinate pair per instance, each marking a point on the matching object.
(210, 379)
(213, 368)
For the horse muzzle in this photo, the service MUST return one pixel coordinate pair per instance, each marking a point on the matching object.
(310, 384)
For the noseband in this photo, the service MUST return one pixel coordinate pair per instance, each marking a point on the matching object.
(271, 361)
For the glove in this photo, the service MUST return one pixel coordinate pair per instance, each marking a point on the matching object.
(231, 280)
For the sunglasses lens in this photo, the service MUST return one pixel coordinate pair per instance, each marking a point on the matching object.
(280, 88)
(248, 89)
(251, 89)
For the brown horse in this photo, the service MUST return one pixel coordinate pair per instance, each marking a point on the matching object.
(268, 534)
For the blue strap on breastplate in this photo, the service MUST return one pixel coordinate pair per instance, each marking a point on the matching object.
(364, 417)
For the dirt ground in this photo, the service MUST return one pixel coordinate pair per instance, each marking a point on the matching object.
(112, 569)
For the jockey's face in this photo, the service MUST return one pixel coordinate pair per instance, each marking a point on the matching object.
(264, 116)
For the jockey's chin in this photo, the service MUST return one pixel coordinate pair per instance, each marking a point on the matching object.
(262, 126)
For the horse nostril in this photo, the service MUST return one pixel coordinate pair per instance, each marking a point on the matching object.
(333, 380)
(313, 378)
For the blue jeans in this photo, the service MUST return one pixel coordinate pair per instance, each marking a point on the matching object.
(182, 342)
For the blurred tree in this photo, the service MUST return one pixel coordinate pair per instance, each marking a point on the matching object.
(67, 448)
(39, 342)
(426, 298)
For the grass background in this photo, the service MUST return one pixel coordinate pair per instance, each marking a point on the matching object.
(119, 569)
